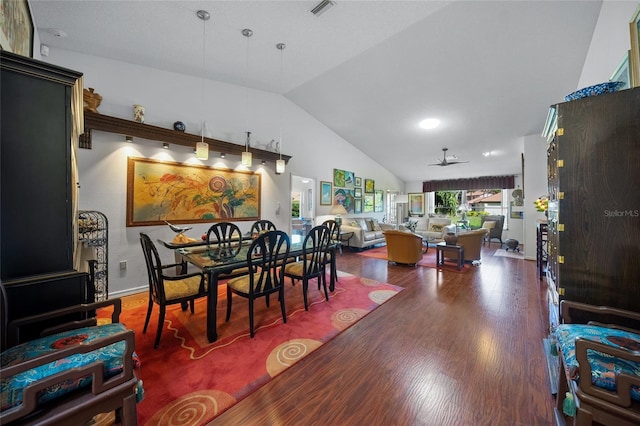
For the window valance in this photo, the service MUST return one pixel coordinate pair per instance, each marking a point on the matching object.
(486, 182)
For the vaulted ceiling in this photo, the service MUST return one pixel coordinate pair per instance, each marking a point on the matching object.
(368, 70)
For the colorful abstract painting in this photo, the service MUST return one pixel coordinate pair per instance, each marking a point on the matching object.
(160, 191)
(345, 197)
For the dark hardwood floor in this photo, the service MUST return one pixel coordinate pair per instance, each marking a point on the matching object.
(451, 349)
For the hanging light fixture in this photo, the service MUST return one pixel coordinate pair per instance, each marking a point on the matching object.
(246, 155)
(202, 148)
(280, 165)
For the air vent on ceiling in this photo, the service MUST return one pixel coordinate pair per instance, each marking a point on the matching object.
(322, 7)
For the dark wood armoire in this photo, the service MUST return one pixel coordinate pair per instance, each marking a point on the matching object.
(37, 212)
(594, 208)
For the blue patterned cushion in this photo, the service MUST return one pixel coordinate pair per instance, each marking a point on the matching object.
(604, 368)
(11, 388)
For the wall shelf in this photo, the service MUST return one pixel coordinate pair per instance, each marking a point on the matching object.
(105, 123)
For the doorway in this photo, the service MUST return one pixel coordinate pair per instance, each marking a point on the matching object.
(303, 206)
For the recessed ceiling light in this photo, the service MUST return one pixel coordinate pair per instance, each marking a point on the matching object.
(429, 123)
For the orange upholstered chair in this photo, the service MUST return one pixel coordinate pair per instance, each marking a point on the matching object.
(403, 247)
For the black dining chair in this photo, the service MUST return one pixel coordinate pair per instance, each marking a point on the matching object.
(334, 241)
(313, 263)
(224, 240)
(262, 226)
(168, 289)
(264, 257)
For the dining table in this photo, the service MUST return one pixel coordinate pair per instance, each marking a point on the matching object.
(215, 262)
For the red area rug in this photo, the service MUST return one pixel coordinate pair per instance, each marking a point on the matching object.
(428, 260)
(187, 380)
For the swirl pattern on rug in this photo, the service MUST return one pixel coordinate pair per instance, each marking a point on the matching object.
(192, 409)
(381, 296)
(344, 318)
(288, 353)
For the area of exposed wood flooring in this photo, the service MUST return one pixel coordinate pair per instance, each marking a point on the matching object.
(452, 349)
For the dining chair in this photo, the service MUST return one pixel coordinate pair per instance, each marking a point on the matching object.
(168, 289)
(314, 259)
(224, 240)
(334, 238)
(262, 225)
(334, 229)
(264, 258)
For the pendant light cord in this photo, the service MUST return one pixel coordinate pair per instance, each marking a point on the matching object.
(204, 70)
(281, 47)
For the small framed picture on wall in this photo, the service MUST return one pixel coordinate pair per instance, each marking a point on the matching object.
(326, 193)
(416, 203)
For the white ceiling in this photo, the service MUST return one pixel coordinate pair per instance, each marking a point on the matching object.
(369, 70)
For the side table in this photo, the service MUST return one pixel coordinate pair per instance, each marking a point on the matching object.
(442, 248)
(344, 237)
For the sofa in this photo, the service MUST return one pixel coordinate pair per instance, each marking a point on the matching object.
(366, 231)
(432, 228)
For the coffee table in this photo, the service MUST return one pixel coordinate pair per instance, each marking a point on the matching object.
(442, 248)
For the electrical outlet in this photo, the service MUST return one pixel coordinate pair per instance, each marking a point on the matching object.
(123, 265)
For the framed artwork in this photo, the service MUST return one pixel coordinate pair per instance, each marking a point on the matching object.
(16, 27)
(343, 178)
(515, 211)
(622, 72)
(358, 182)
(357, 192)
(349, 179)
(634, 57)
(159, 191)
(357, 205)
(338, 178)
(345, 197)
(326, 193)
(378, 201)
(367, 203)
(416, 203)
(369, 186)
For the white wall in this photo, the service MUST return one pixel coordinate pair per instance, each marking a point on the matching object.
(168, 97)
(535, 185)
(611, 41)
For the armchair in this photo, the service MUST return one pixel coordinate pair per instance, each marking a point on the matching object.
(403, 247)
(599, 365)
(495, 228)
(71, 376)
(472, 243)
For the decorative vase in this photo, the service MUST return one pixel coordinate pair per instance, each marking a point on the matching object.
(179, 126)
(450, 239)
(138, 113)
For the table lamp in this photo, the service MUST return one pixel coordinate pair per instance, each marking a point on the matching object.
(338, 209)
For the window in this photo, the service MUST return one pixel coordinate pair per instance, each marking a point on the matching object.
(469, 205)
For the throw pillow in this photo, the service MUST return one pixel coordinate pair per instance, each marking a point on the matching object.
(436, 227)
(489, 224)
(369, 225)
(375, 225)
(362, 224)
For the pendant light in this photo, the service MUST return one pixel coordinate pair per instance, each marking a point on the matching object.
(246, 155)
(280, 166)
(202, 148)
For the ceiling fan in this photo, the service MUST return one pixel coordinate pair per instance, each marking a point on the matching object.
(447, 161)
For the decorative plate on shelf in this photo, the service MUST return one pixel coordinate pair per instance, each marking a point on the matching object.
(598, 89)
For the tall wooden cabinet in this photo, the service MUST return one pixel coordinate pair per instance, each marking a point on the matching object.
(36, 205)
(594, 208)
